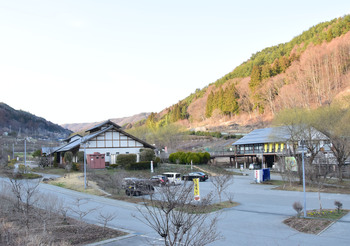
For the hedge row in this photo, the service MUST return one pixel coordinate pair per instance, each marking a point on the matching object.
(186, 157)
(142, 165)
(125, 159)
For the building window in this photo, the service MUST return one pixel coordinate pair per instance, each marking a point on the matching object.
(107, 153)
(126, 152)
(117, 153)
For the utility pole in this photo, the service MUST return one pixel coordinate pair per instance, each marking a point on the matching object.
(25, 152)
(302, 156)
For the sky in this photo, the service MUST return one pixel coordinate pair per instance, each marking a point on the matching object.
(74, 61)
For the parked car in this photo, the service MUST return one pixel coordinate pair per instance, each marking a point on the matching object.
(174, 178)
(159, 180)
(254, 166)
(137, 187)
(195, 175)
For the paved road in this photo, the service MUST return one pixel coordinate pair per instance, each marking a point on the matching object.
(257, 220)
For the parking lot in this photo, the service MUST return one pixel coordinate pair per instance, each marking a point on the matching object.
(257, 220)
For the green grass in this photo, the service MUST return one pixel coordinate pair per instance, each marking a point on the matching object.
(27, 176)
(327, 214)
(62, 185)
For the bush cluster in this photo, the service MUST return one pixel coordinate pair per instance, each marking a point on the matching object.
(11, 164)
(125, 159)
(201, 133)
(186, 157)
(147, 155)
(142, 165)
(75, 166)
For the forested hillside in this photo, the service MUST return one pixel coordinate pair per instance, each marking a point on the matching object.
(20, 123)
(309, 71)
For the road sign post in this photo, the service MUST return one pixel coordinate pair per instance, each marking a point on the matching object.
(196, 189)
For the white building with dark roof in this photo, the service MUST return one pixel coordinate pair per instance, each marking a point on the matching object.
(105, 138)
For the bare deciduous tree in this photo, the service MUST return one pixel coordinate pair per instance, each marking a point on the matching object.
(105, 218)
(178, 219)
(26, 194)
(78, 209)
(221, 182)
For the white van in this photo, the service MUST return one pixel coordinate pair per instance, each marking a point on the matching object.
(174, 178)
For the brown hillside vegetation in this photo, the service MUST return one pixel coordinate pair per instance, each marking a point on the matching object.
(320, 75)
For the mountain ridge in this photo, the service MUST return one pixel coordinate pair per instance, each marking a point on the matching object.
(18, 122)
(307, 72)
(123, 122)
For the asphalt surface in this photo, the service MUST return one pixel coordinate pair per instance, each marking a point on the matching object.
(256, 221)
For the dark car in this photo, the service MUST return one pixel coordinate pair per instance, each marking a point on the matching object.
(137, 187)
(159, 180)
(195, 175)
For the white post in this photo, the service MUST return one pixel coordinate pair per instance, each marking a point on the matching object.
(151, 166)
(191, 165)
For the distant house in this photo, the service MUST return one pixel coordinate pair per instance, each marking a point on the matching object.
(106, 138)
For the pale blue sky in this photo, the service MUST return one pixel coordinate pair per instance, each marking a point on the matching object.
(85, 61)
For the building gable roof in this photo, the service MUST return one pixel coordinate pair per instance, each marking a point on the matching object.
(95, 132)
(106, 123)
(281, 134)
(265, 135)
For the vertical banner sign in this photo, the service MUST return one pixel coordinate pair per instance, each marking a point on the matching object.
(196, 189)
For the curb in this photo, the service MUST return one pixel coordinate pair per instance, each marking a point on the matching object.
(130, 234)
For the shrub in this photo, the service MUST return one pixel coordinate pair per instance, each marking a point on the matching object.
(36, 153)
(194, 157)
(205, 157)
(12, 163)
(298, 208)
(339, 205)
(80, 156)
(114, 165)
(21, 168)
(157, 160)
(68, 157)
(125, 159)
(75, 166)
(55, 164)
(147, 155)
(183, 158)
(142, 165)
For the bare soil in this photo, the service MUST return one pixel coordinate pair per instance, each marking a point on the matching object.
(312, 226)
(41, 227)
(316, 221)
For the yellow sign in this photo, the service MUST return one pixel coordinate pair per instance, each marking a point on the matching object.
(196, 189)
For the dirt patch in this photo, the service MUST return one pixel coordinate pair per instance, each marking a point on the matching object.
(316, 221)
(312, 226)
(40, 227)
